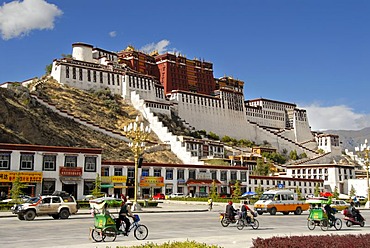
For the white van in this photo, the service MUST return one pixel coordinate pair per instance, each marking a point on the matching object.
(284, 201)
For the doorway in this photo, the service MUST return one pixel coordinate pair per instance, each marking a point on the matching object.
(70, 188)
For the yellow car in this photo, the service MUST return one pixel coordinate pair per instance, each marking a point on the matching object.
(339, 205)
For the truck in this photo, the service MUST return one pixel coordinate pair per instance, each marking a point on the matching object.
(56, 206)
(284, 201)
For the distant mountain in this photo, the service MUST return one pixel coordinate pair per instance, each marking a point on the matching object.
(351, 138)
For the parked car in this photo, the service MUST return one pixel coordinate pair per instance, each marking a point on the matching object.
(176, 195)
(159, 196)
(201, 194)
(23, 198)
(339, 205)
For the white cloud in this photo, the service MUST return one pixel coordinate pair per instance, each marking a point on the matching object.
(18, 18)
(161, 47)
(113, 34)
(335, 118)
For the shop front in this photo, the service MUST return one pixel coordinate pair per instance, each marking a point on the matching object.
(119, 185)
(151, 186)
(31, 180)
(201, 187)
(71, 178)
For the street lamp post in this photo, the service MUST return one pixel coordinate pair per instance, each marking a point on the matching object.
(364, 148)
(138, 134)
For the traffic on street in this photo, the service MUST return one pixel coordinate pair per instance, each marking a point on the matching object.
(202, 227)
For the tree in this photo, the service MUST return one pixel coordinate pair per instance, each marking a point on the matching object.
(236, 191)
(259, 190)
(336, 193)
(262, 168)
(17, 189)
(317, 190)
(303, 155)
(352, 192)
(293, 155)
(298, 192)
(96, 192)
(213, 136)
(48, 69)
(276, 157)
(213, 193)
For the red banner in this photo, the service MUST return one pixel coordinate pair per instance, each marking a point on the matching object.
(70, 171)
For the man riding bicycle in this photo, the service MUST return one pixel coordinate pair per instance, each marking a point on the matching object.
(123, 213)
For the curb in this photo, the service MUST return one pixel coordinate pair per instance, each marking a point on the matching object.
(9, 215)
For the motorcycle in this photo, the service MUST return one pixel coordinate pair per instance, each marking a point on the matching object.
(226, 221)
(247, 221)
(352, 220)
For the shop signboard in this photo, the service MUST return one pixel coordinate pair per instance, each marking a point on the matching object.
(25, 177)
(151, 182)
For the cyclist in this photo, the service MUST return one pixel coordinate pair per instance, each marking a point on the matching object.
(329, 211)
(123, 213)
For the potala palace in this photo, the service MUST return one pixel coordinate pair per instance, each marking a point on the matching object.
(171, 83)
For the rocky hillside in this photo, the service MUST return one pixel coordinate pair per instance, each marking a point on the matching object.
(24, 120)
(352, 138)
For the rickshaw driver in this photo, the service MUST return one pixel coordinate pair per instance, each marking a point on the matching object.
(329, 211)
(123, 213)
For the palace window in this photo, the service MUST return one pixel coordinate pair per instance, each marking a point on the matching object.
(214, 175)
(26, 162)
(89, 75)
(130, 172)
(169, 174)
(94, 76)
(157, 172)
(101, 77)
(90, 164)
(243, 176)
(70, 161)
(48, 162)
(192, 174)
(48, 187)
(223, 175)
(67, 71)
(88, 187)
(105, 171)
(74, 73)
(145, 172)
(180, 174)
(4, 161)
(118, 172)
(80, 75)
(233, 175)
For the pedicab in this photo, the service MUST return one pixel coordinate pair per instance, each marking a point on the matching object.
(105, 228)
(319, 217)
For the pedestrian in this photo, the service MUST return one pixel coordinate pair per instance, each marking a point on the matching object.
(210, 204)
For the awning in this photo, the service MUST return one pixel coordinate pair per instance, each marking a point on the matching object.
(120, 187)
(202, 182)
(104, 186)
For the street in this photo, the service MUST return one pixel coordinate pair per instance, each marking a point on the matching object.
(163, 227)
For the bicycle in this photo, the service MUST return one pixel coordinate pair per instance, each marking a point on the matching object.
(105, 229)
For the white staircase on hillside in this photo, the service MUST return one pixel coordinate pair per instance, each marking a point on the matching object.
(162, 132)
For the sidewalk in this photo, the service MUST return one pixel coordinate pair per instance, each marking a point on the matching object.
(165, 206)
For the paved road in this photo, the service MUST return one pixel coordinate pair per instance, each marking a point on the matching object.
(163, 227)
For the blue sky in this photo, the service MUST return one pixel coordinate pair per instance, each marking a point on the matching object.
(313, 53)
